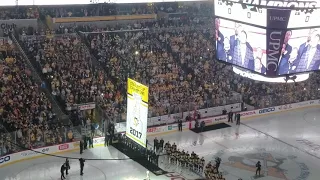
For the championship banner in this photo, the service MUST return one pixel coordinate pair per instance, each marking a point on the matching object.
(277, 22)
(137, 112)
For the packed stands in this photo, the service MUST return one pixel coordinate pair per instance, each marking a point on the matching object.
(142, 56)
(109, 9)
(66, 66)
(18, 13)
(264, 94)
(106, 9)
(25, 110)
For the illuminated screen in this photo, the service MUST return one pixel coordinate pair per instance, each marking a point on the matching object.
(252, 13)
(137, 112)
(241, 12)
(241, 45)
(300, 52)
(303, 19)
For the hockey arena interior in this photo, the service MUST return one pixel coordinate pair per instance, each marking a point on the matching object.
(159, 90)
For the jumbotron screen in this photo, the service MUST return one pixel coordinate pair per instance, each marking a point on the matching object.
(268, 37)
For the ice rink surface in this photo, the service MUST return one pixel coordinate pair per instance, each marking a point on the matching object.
(287, 144)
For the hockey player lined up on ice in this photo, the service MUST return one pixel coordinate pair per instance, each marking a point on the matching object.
(173, 147)
(167, 148)
(208, 169)
(220, 176)
(187, 159)
(173, 150)
(258, 165)
(202, 163)
(81, 160)
(211, 173)
(191, 160)
(181, 158)
(178, 156)
(198, 163)
(172, 157)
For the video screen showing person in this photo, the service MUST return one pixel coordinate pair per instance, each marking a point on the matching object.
(240, 12)
(241, 45)
(300, 51)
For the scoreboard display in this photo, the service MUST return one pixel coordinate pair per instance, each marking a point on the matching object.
(268, 37)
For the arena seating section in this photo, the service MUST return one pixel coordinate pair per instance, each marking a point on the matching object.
(176, 60)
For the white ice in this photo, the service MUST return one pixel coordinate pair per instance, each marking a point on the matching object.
(287, 145)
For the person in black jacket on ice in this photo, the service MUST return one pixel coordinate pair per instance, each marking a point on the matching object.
(238, 118)
(161, 144)
(230, 116)
(67, 166)
(179, 125)
(63, 168)
(81, 160)
(258, 165)
(155, 144)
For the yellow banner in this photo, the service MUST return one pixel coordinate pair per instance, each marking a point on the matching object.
(103, 18)
(138, 88)
(49, 22)
(136, 17)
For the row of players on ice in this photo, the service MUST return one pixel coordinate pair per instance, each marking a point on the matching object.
(193, 162)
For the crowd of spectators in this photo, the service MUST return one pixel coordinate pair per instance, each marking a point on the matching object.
(176, 64)
(65, 65)
(25, 111)
(264, 94)
(108, 9)
(18, 13)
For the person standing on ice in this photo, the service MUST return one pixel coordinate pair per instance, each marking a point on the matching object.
(63, 168)
(258, 165)
(67, 163)
(81, 146)
(179, 125)
(155, 144)
(161, 144)
(81, 160)
(238, 118)
(230, 116)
